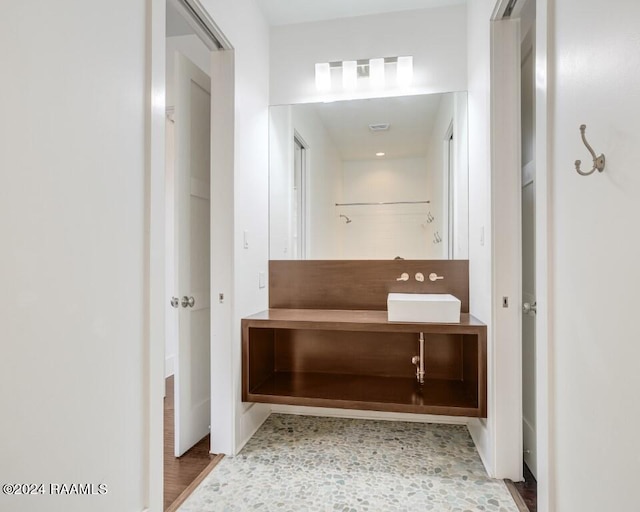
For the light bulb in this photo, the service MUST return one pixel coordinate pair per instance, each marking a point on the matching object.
(376, 72)
(405, 71)
(323, 77)
(349, 74)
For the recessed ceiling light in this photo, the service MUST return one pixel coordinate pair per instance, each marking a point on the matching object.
(380, 154)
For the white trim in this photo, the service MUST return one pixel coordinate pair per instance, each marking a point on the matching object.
(368, 415)
(544, 363)
(203, 25)
(506, 214)
(252, 419)
(304, 216)
(169, 366)
(306, 190)
(224, 374)
(155, 247)
(200, 189)
(448, 185)
(528, 173)
(499, 9)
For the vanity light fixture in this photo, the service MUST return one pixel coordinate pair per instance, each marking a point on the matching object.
(405, 71)
(349, 74)
(323, 77)
(374, 69)
(376, 72)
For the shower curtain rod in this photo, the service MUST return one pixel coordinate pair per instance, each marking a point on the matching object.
(381, 204)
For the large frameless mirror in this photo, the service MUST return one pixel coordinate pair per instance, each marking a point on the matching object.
(375, 178)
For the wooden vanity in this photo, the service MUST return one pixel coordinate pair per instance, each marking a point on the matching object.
(314, 347)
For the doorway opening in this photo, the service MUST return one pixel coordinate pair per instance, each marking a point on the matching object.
(299, 199)
(449, 192)
(528, 488)
(518, 64)
(187, 410)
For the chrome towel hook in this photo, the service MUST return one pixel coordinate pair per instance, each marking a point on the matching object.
(598, 161)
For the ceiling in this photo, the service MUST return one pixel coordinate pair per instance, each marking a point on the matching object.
(285, 12)
(411, 120)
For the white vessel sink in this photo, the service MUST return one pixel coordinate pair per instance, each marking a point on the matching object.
(423, 307)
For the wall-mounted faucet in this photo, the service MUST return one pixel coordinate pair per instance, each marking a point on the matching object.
(403, 277)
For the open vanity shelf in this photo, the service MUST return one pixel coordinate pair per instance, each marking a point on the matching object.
(326, 341)
(358, 360)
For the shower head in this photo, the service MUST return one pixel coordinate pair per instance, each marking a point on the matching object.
(346, 218)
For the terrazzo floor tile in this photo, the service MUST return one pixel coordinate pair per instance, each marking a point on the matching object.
(305, 463)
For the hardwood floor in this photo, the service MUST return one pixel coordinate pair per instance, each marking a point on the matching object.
(181, 474)
(525, 494)
(528, 490)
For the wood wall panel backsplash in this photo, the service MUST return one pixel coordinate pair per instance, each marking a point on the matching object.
(360, 284)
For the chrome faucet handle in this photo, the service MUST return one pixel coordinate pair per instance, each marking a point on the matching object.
(403, 277)
(433, 277)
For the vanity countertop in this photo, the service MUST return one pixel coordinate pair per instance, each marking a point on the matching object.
(353, 320)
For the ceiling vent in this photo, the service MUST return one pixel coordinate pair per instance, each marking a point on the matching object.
(379, 127)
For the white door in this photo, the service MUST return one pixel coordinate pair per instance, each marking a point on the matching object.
(192, 237)
(528, 258)
(529, 320)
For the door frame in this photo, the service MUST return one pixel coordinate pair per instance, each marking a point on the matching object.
(449, 182)
(506, 200)
(305, 184)
(222, 147)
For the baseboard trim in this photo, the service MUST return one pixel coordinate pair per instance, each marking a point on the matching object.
(478, 431)
(252, 419)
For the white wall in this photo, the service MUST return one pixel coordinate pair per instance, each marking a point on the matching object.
(280, 182)
(384, 232)
(72, 267)
(324, 168)
(595, 255)
(438, 178)
(435, 37)
(242, 23)
(480, 267)
(461, 177)
(323, 183)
